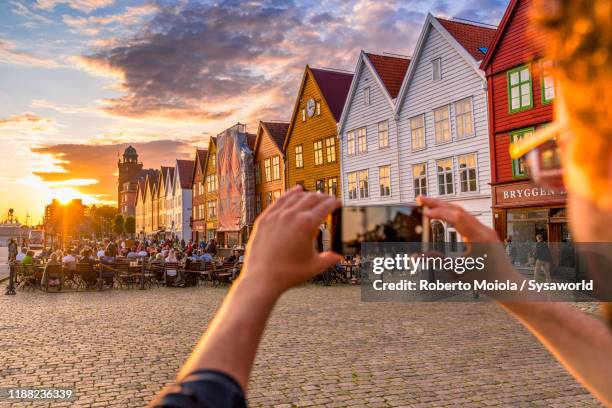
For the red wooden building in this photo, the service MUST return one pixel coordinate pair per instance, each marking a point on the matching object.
(521, 92)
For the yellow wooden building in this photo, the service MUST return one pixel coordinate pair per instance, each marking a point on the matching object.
(210, 189)
(311, 146)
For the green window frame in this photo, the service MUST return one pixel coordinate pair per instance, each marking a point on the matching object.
(518, 83)
(519, 166)
(546, 74)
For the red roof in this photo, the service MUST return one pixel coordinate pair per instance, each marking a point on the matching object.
(277, 131)
(471, 37)
(335, 86)
(185, 172)
(391, 71)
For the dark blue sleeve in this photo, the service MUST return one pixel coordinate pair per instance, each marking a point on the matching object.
(204, 388)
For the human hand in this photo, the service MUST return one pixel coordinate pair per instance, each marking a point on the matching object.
(281, 253)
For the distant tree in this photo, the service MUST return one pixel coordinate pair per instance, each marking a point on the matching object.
(118, 224)
(130, 225)
(101, 219)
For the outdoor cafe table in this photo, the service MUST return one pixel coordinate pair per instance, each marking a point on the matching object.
(349, 269)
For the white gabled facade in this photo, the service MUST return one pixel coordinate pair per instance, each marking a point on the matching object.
(457, 162)
(182, 198)
(369, 108)
(169, 198)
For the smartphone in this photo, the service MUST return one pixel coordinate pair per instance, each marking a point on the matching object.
(351, 226)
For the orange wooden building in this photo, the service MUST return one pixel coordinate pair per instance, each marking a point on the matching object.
(311, 146)
(269, 163)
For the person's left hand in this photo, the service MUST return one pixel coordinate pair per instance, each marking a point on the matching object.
(281, 253)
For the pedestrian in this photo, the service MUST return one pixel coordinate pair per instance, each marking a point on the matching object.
(542, 258)
(12, 250)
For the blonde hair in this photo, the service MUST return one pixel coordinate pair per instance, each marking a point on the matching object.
(580, 43)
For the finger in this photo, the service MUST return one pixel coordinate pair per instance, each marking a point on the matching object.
(288, 197)
(307, 201)
(325, 260)
(324, 208)
(430, 202)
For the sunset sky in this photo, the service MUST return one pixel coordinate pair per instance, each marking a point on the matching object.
(80, 79)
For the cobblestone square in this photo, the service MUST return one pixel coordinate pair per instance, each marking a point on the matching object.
(323, 347)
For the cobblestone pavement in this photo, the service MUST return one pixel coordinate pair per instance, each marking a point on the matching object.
(322, 347)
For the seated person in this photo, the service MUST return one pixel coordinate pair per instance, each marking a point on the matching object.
(206, 257)
(69, 261)
(21, 254)
(50, 263)
(28, 259)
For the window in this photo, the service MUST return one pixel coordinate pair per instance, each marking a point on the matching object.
(383, 134)
(303, 114)
(436, 69)
(419, 177)
(467, 173)
(350, 143)
(268, 198)
(362, 144)
(213, 161)
(330, 149)
(363, 184)
(366, 96)
(276, 195)
(299, 157)
(332, 186)
(548, 82)
(320, 186)
(519, 89)
(268, 170)
(276, 168)
(257, 204)
(417, 131)
(318, 153)
(352, 185)
(257, 174)
(445, 176)
(212, 209)
(384, 179)
(442, 124)
(211, 183)
(464, 118)
(318, 107)
(519, 166)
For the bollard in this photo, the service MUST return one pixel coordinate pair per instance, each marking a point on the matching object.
(10, 290)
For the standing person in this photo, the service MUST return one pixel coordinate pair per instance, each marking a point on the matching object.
(211, 248)
(12, 250)
(542, 258)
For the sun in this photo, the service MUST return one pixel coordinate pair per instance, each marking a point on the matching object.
(65, 195)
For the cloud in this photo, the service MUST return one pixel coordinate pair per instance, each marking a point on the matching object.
(27, 123)
(24, 11)
(91, 168)
(9, 54)
(86, 6)
(119, 23)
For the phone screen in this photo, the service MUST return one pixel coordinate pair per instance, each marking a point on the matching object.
(352, 226)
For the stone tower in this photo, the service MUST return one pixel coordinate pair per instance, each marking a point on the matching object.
(129, 168)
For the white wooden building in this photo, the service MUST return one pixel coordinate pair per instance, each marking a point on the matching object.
(442, 120)
(368, 131)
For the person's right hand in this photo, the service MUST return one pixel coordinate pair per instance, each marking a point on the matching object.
(281, 253)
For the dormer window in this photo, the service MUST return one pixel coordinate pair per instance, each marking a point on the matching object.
(436, 68)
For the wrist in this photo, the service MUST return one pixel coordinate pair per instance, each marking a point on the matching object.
(256, 284)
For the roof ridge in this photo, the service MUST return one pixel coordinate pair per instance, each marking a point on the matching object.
(388, 55)
(472, 23)
(335, 70)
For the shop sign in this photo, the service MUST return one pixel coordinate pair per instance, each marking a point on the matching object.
(525, 194)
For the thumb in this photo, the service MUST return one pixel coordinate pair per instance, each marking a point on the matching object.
(327, 259)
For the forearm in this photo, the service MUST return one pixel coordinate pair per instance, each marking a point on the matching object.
(582, 344)
(231, 340)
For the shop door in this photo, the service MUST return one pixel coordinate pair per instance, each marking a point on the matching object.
(562, 250)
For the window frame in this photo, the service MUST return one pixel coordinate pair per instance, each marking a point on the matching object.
(276, 173)
(452, 173)
(320, 185)
(332, 185)
(471, 115)
(318, 108)
(414, 149)
(301, 155)
(365, 140)
(303, 115)
(516, 162)
(351, 184)
(476, 173)
(366, 96)
(438, 62)
(543, 76)
(386, 133)
(423, 176)
(314, 149)
(268, 169)
(364, 192)
(509, 88)
(450, 129)
(351, 143)
(388, 179)
(332, 145)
